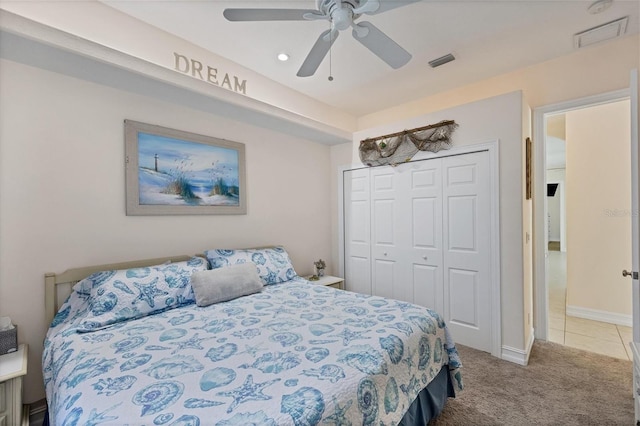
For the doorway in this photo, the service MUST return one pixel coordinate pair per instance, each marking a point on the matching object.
(583, 214)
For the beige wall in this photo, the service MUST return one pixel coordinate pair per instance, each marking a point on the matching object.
(556, 126)
(527, 230)
(63, 200)
(597, 69)
(598, 183)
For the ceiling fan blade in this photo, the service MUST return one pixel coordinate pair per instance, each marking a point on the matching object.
(317, 53)
(270, 14)
(380, 44)
(384, 5)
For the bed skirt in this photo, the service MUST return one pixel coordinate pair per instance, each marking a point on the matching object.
(430, 401)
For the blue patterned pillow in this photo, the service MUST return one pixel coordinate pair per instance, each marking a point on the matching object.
(125, 294)
(274, 265)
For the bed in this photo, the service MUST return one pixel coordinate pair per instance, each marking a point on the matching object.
(290, 353)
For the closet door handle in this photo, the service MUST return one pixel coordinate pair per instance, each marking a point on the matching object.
(424, 257)
(384, 254)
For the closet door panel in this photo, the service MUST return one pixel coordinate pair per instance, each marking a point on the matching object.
(384, 214)
(467, 245)
(384, 272)
(424, 244)
(427, 286)
(462, 224)
(424, 212)
(357, 241)
(464, 285)
(388, 275)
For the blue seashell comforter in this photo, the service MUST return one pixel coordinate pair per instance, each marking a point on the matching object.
(295, 354)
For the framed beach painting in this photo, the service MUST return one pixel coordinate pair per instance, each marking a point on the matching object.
(171, 172)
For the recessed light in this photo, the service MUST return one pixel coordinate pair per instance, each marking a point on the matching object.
(283, 57)
(599, 6)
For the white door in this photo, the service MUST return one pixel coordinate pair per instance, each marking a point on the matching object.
(357, 231)
(423, 210)
(467, 246)
(406, 220)
(388, 221)
(635, 229)
(635, 205)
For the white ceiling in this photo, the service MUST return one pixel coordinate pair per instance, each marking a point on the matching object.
(486, 37)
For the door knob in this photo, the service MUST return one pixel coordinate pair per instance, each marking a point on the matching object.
(424, 257)
(385, 253)
(632, 274)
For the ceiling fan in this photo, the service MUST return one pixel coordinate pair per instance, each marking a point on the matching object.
(342, 14)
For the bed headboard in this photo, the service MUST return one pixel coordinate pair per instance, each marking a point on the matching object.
(58, 286)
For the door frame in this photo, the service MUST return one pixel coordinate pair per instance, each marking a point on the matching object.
(493, 148)
(541, 296)
(634, 94)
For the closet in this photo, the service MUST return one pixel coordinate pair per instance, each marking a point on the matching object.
(420, 232)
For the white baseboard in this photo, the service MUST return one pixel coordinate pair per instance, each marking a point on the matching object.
(518, 356)
(602, 316)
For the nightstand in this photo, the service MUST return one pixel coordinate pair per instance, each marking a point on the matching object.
(328, 280)
(13, 367)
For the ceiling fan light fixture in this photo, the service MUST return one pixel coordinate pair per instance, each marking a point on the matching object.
(599, 6)
(283, 57)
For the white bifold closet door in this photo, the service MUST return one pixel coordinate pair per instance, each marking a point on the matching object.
(419, 233)
(357, 230)
(467, 248)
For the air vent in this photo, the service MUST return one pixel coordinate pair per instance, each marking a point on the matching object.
(608, 31)
(442, 60)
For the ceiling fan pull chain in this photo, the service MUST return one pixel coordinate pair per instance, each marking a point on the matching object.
(330, 45)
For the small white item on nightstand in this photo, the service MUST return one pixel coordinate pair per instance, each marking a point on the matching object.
(5, 324)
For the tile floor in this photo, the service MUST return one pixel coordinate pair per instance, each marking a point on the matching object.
(594, 336)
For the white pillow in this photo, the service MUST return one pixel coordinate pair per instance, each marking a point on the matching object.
(226, 283)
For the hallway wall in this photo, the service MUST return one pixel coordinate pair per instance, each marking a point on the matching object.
(598, 183)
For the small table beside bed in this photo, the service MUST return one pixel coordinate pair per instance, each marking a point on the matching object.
(150, 342)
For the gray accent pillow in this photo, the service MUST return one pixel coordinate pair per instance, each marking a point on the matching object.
(227, 283)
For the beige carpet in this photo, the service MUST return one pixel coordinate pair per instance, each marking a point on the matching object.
(560, 386)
